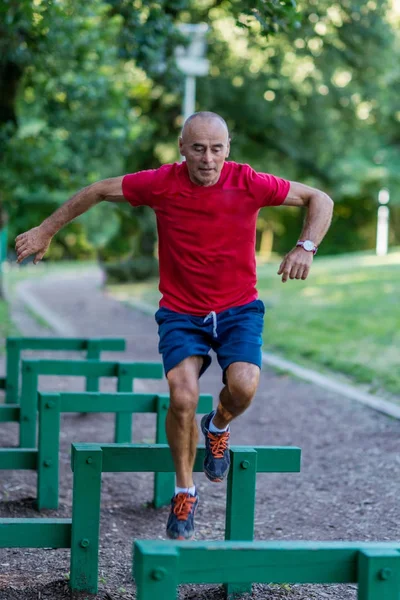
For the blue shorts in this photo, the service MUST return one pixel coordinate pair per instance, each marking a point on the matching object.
(234, 334)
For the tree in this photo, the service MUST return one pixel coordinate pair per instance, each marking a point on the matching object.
(95, 92)
(315, 105)
(75, 85)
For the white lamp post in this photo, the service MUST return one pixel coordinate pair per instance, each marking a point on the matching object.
(382, 231)
(190, 60)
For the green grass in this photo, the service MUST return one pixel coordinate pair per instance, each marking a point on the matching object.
(7, 327)
(345, 318)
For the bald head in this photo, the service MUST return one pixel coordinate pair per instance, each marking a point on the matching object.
(204, 116)
(205, 145)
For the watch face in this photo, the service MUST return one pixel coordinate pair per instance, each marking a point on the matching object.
(307, 245)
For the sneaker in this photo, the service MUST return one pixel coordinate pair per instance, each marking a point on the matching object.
(180, 524)
(217, 459)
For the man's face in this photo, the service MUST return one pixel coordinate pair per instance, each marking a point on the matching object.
(205, 145)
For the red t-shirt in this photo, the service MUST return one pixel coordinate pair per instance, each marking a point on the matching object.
(206, 233)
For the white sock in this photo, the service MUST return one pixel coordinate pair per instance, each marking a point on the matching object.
(214, 429)
(180, 490)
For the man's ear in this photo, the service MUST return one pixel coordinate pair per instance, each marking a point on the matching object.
(228, 148)
(181, 147)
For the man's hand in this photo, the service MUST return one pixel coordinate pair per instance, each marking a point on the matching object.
(35, 241)
(296, 264)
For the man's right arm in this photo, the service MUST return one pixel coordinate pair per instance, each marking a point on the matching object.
(37, 240)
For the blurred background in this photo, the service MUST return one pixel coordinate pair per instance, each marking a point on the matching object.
(310, 91)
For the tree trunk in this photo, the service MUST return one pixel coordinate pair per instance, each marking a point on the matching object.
(10, 76)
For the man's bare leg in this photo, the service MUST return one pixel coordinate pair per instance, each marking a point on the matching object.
(237, 395)
(242, 380)
(181, 426)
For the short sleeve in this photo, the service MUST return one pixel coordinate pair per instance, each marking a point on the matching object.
(137, 187)
(268, 190)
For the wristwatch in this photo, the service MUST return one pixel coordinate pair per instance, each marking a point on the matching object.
(308, 245)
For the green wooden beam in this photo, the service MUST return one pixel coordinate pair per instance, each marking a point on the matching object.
(9, 412)
(286, 458)
(378, 574)
(376, 566)
(93, 353)
(274, 565)
(85, 368)
(67, 344)
(18, 458)
(156, 572)
(157, 457)
(15, 345)
(86, 520)
(240, 504)
(274, 562)
(78, 368)
(35, 533)
(13, 356)
(116, 401)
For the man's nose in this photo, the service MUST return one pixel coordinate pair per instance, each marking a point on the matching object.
(207, 156)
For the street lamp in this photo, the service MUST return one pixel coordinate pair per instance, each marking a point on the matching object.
(382, 231)
(190, 60)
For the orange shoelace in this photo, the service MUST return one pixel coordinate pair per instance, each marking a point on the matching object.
(218, 443)
(183, 505)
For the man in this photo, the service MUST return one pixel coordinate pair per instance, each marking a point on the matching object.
(206, 212)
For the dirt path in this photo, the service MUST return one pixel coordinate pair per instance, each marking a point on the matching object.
(347, 490)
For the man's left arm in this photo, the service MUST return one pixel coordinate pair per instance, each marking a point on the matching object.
(297, 263)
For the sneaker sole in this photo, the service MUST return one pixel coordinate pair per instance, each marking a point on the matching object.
(180, 538)
(215, 480)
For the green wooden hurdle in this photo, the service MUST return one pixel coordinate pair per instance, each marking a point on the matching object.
(52, 405)
(89, 461)
(45, 459)
(15, 345)
(31, 370)
(160, 567)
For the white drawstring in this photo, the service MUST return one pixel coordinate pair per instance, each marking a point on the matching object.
(212, 314)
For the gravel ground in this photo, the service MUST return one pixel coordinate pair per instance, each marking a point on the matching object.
(348, 488)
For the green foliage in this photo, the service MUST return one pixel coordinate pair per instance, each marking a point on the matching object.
(87, 90)
(313, 105)
(309, 89)
(73, 115)
(132, 269)
(271, 17)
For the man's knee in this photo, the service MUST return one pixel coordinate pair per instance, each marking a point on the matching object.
(183, 381)
(242, 383)
(184, 392)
